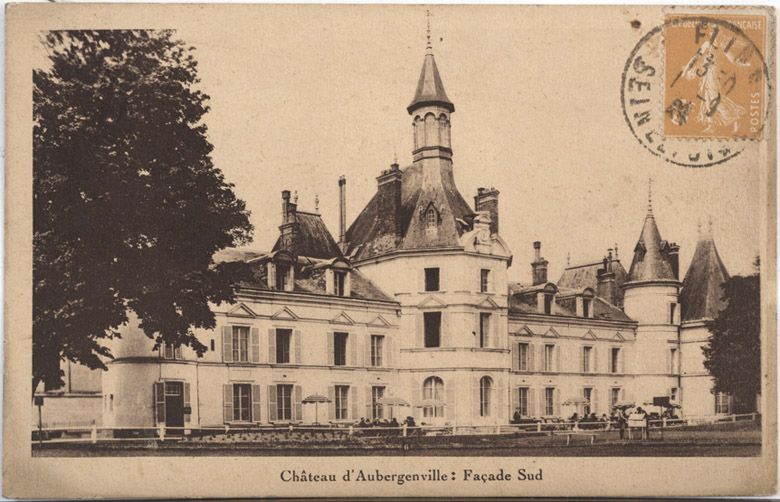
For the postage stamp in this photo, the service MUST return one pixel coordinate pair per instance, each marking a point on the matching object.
(696, 87)
(714, 84)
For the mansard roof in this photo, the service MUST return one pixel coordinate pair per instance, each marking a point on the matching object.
(430, 89)
(586, 275)
(650, 262)
(522, 300)
(369, 235)
(313, 238)
(702, 296)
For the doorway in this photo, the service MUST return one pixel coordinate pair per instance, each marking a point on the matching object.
(174, 407)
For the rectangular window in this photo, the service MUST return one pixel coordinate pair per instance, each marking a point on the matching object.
(484, 329)
(171, 352)
(614, 360)
(242, 402)
(549, 352)
(587, 394)
(672, 360)
(522, 356)
(284, 401)
(522, 401)
(340, 348)
(586, 359)
(484, 280)
(342, 404)
(240, 344)
(548, 299)
(673, 394)
(432, 322)
(586, 307)
(672, 310)
(377, 392)
(549, 401)
(431, 279)
(282, 272)
(339, 282)
(283, 337)
(722, 404)
(377, 342)
(614, 397)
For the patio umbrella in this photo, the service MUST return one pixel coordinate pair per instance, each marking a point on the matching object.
(316, 399)
(392, 401)
(430, 402)
(575, 401)
(624, 404)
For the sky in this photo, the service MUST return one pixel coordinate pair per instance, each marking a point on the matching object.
(301, 95)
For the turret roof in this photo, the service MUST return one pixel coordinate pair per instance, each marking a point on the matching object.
(650, 263)
(702, 296)
(430, 89)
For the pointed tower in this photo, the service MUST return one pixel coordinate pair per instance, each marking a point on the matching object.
(702, 297)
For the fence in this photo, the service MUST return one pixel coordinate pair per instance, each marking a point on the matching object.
(339, 432)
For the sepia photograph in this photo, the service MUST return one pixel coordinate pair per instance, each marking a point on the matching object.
(432, 250)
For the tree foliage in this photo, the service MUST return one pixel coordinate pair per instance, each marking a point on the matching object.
(128, 208)
(733, 354)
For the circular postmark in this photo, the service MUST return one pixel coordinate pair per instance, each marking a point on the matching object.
(696, 88)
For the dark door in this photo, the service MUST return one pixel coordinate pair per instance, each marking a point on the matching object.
(174, 406)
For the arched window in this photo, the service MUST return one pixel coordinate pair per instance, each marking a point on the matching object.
(431, 218)
(433, 394)
(431, 130)
(485, 395)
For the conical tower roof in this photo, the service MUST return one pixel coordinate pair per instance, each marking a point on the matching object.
(430, 89)
(649, 263)
(702, 296)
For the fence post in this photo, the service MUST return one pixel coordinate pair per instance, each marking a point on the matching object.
(733, 418)
(663, 422)
(403, 429)
(161, 431)
(351, 430)
(538, 426)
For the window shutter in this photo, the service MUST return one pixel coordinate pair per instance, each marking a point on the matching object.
(622, 360)
(227, 402)
(622, 394)
(389, 352)
(475, 396)
(272, 415)
(367, 351)
(298, 404)
(420, 343)
(531, 402)
(354, 398)
(582, 359)
(159, 402)
(255, 338)
(531, 351)
(595, 360)
(500, 407)
(668, 361)
(594, 406)
(369, 408)
(177, 352)
(557, 397)
(515, 357)
(332, 403)
(515, 400)
(297, 342)
(477, 326)
(227, 344)
(187, 416)
(272, 346)
(256, 403)
(352, 349)
(420, 393)
(330, 349)
(449, 392)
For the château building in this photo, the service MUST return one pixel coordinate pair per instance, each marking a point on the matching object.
(412, 301)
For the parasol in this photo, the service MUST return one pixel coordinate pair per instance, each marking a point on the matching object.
(316, 399)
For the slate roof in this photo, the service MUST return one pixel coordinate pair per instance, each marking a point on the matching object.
(584, 276)
(369, 237)
(522, 300)
(701, 296)
(309, 275)
(649, 263)
(430, 89)
(313, 237)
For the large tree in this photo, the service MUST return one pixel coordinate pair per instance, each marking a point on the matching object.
(733, 354)
(128, 208)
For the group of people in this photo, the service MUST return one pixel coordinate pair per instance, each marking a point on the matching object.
(383, 422)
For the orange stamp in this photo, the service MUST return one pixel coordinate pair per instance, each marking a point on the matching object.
(714, 76)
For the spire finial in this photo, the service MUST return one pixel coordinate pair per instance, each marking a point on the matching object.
(316, 203)
(709, 226)
(295, 197)
(698, 227)
(616, 251)
(428, 47)
(568, 259)
(395, 157)
(650, 196)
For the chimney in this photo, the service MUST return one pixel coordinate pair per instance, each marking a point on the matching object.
(674, 259)
(289, 227)
(487, 200)
(389, 195)
(343, 214)
(539, 265)
(605, 280)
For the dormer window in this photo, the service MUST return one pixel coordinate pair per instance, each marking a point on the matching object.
(548, 300)
(586, 307)
(339, 282)
(431, 218)
(282, 273)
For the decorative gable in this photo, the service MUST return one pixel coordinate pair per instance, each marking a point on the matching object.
(431, 302)
(342, 318)
(379, 322)
(524, 331)
(551, 333)
(618, 337)
(286, 314)
(488, 303)
(589, 335)
(241, 310)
